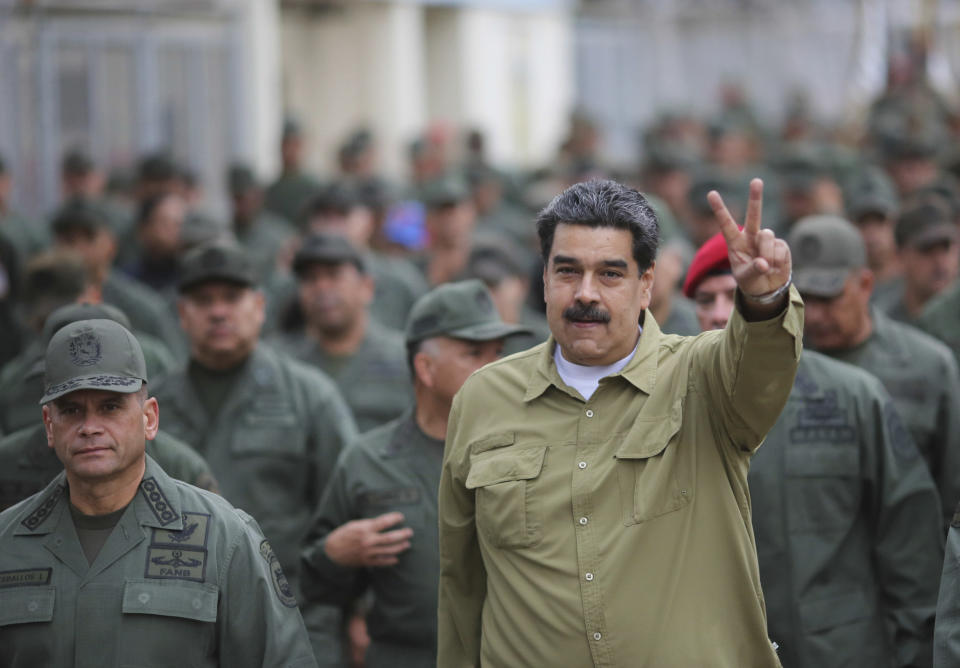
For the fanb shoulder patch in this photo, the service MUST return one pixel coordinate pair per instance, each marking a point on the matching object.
(25, 577)
(180, 554)
(157, 501)
(280, 584)
(40, 515)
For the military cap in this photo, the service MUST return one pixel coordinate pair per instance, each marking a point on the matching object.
(709, 180)
(924, 224)
(825, 249)
(216, 262)
(444, 191)
(73, 312)
(663, 156)
(323, 248)
(240, 179)
(291, 128)
(462, 310)
(80, 215)
(339, 196)
(93, 355)
(494, 260)
(870, 191)
(800, 166)
(156, 167)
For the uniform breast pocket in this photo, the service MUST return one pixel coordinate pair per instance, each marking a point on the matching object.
(654, 474)
(25, 626)
(506, 505)
(167, 623)
(269, 435)
(823, 487)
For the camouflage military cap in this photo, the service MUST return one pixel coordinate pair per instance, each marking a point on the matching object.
(444, 191)
(870, 191)
(216, 262)
(93, 355)
(825, 249)
(462, 310)
(925, 224)
(323, 248)
(64, 315)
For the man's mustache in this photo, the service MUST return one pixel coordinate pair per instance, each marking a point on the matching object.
(585, 313)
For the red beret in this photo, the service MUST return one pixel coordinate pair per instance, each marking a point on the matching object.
(710, 258)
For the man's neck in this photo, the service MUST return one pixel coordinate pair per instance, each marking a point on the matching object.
(887, 271)
(341, 343)
(105, 496)
(220, 362)
(431, 413)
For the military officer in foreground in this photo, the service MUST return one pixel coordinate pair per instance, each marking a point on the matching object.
(847, 517)
(115, 563)
(376, 528)
(602, 475)
(270, 427)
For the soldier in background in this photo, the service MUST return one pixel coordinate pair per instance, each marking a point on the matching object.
(848, 524)
(918, 371)
(872, 204)
(287, 196)
(28, 237)
(264, 235)
(340, 337)
(376, 527)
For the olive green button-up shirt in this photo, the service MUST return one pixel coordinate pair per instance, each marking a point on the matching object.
(614, 531)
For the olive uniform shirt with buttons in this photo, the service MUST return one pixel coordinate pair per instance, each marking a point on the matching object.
(393, 468)
(273, 444)
(922, 377)
(28, 464)
(847, 522)
(184, 579)
(616, 531)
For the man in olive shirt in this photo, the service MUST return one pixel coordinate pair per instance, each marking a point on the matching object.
(389, 477)
(270, 427)
(847, 519)
(115, 562)
(918, 371)
(365, 359)
(593, 499)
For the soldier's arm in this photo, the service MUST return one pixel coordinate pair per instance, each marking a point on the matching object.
(463, 576)
(948, 437)
(258, 622)
(904, 509)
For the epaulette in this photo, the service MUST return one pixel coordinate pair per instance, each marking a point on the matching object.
(42, 512)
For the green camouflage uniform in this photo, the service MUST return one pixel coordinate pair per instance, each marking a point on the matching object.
(846, 519)
(184, 579)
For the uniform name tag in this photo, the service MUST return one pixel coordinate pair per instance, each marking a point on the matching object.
(25, 577)
(398, 496)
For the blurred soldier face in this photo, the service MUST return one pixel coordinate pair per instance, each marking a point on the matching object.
(100, 436)
(291, 152)
(334, 297)
(451, 225)
(877, 232)
(96, 247)
(509, 296)
(445, 363)
(714, 301)
(160, 233)
(910, 174)
(222, 321)
(246, 204)
(843, 321)
(595, 293)
(929, 269)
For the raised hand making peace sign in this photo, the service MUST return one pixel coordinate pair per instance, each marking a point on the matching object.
(759, 261)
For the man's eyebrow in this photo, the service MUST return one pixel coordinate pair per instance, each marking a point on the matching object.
(565, 259)
(620, 264)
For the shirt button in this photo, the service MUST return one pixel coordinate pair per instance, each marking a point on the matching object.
(589, 577)
(589, 413)
(32, 606)
(597, 636)
(582, 465)
(583, 520)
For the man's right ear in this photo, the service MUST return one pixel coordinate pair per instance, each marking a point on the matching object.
(423, 368)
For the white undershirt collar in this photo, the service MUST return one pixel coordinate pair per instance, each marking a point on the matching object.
(586, 379)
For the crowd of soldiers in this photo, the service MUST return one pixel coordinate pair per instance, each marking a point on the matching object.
(305, 354)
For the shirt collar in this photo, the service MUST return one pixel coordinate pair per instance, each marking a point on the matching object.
(641, 371)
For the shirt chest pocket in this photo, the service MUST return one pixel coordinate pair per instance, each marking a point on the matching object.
(26, 614)
(505, 480)
(168, 622)
(654, 474)
(269, 434)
